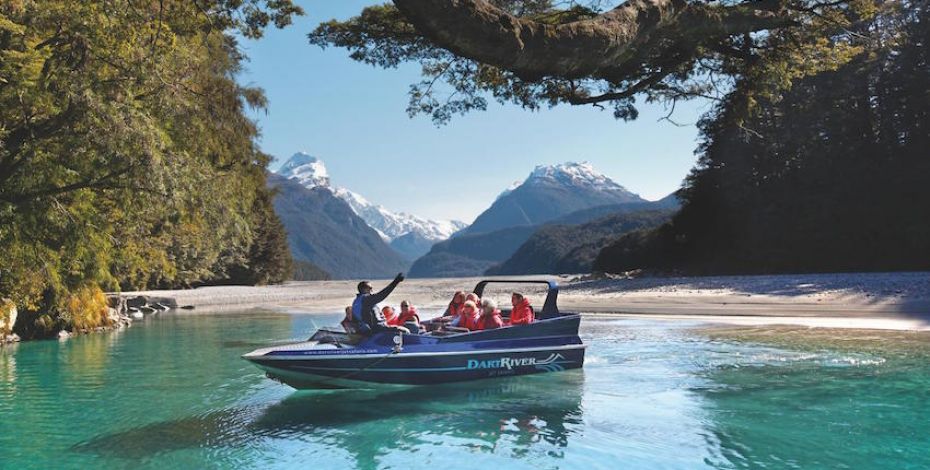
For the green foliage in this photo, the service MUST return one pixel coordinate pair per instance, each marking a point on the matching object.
(451, 85)
(126, 158)
(828, 175)
(822, 38)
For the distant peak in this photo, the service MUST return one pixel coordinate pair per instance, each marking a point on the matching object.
(583, 169)
(305, 168)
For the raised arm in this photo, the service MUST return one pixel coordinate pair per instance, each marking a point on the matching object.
(384, 293)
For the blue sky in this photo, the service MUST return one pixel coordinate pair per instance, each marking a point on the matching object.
(353, 117)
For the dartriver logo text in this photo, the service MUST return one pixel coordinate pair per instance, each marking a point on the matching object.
(552, 363)
(502, 363)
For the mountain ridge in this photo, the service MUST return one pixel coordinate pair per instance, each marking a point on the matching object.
(311, 172)
(322, 229)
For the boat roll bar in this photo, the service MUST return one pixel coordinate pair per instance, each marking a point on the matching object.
(550, 307)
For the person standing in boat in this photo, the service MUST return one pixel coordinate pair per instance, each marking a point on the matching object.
(366, 315)
(522, 313)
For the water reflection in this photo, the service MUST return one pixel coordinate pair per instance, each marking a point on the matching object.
(8, 370)
(510, 415)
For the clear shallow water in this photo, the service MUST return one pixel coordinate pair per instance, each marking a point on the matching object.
(173, 393)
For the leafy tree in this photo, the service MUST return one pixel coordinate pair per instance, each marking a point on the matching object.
(828, 176)
(126, 159)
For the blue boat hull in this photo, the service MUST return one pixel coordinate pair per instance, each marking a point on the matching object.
(401, 369)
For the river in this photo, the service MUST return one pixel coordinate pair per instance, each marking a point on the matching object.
(172, 392)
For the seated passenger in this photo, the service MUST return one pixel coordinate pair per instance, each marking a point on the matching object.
(468, 318)
(347, 321)
(490, 316)
(455, 307)
(474, 298)
(408, 313)
(522, 313)
(409, 318)
(390, 316)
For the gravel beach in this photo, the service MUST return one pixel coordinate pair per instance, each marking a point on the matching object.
(898, 301)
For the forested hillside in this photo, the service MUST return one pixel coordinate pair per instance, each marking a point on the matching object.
(569, 249)
(126, 158)
(828, 175)
(473, 254)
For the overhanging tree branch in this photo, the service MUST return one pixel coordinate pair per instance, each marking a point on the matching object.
(600, 48)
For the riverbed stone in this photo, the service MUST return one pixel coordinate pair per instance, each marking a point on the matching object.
(8, 314)
(136, 302)
(63, 334)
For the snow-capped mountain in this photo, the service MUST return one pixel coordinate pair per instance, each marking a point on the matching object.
(395, 224)
(578, 176)
(306, 169)
(311, 172)
(551, 191)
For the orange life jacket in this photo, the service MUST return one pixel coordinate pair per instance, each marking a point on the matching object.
(468, 321)
(522, 313)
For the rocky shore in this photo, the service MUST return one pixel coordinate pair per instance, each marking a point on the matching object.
(122, 310)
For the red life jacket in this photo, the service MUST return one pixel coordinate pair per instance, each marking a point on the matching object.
(490, 322)
(411, 315)
(522, 313)
(391, 321)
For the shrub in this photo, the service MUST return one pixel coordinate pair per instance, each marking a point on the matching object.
(85, 308)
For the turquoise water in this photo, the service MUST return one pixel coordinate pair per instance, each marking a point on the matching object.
(172, 392)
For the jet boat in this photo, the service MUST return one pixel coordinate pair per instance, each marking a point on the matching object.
(334, 359)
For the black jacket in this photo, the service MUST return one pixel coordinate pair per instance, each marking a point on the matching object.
(365, 312)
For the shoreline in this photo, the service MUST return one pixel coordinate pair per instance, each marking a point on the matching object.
(886, 301)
